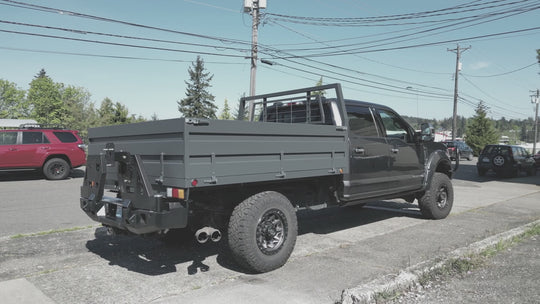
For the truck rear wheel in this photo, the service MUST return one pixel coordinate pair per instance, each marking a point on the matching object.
(437, 202)
(262, 231)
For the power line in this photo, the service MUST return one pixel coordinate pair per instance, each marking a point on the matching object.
(85, 32)
(380, 20)
(111, 56)
(121, 44)
(360, 51)
(97, 18)
(502, 74)
(490, 96)
(431, 31)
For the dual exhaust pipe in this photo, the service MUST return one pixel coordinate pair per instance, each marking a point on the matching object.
(207, 233)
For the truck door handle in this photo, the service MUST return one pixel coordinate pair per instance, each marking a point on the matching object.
(394, 150)
(45, 148)
(361, 151)
(12, 149)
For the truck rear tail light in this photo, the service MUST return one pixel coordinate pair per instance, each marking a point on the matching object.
(175, 192)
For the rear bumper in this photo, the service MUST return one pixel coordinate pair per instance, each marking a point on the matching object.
(138, 207)
(120, 214)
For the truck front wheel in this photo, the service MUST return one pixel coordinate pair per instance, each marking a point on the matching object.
(262, 231)
(437, 202)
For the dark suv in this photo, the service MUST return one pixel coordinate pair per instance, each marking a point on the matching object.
(49, 149)
(505, 160)
(458, 146)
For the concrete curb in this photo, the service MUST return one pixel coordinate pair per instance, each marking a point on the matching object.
(409, 277)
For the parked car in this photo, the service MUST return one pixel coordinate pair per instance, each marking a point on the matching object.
(464, 150)
(505, 160)
(537, 159)
(52, 150)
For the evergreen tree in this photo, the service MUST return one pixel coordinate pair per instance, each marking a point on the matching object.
(45, 98)
(480, 130)
(226, 113)
(321, 92)
(198, 102)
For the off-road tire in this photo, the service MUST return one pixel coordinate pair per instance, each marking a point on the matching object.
(56, 169)
(437, 201)
(252, 225)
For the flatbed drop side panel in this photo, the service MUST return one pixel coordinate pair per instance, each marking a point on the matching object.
(224, 152)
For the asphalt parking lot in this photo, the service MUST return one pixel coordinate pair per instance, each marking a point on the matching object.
(59, 255)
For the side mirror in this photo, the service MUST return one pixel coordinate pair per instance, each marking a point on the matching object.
(427, 132)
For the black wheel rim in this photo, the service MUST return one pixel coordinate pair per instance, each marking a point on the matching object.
(271, 231)
(57, 170)
(442, 197)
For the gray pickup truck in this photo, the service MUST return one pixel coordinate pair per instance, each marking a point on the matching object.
(305, 148)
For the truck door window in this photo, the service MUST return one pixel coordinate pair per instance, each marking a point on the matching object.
(394, 126)
(361, 121)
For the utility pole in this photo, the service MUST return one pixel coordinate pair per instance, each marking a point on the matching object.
(535, 99)
(458, 52)
(253, 6)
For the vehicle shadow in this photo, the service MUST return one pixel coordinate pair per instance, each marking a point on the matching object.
(154, 257)
(15, 176)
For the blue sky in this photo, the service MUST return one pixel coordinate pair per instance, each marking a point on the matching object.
(412, 74)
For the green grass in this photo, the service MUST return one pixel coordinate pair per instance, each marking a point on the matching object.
(462, 266)
(21, 235)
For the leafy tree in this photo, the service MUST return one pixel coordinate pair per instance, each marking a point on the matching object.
(12, 101)
(226, 113)
(82, 113)
(45, 98)
(115, 113)
(480, 130)
(198, 102)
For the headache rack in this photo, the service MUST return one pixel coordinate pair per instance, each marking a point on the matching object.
(308, 105)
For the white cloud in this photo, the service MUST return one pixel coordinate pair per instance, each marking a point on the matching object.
(480, 65)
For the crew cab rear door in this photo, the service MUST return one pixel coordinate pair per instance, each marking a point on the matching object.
(369, 156)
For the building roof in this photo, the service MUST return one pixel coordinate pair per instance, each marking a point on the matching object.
(15, 123)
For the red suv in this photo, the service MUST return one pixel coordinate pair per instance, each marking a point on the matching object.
(50, 149)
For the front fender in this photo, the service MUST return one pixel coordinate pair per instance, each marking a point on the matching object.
(437, 161)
